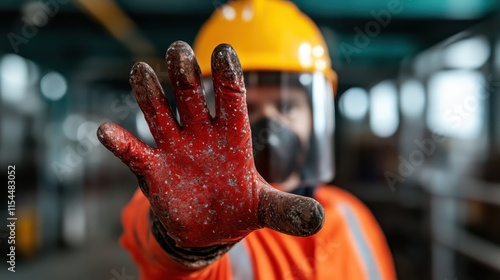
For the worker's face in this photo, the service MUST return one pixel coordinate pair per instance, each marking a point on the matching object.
(289, 148)
(289, 108)
(281, 123)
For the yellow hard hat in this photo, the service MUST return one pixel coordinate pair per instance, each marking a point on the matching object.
(268, 35)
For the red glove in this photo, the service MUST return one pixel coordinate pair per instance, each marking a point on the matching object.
(201, 180)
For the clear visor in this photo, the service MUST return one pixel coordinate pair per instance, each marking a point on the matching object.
(292, 120)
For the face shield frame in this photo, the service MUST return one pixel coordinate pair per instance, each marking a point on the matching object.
(319, 164)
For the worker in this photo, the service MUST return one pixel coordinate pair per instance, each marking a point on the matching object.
(235, 187)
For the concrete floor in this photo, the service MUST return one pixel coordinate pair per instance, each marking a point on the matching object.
(96, 262)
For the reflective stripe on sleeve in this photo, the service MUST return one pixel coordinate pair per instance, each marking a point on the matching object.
(361, 243)
(241, 265)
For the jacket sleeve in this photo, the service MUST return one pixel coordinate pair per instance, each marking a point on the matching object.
(352, 238)
(150, 257)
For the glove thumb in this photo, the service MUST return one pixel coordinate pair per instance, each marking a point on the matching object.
(289, 213)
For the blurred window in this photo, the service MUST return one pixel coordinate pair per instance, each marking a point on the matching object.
(457, 103)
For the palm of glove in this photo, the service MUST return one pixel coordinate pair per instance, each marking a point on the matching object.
(201, 181)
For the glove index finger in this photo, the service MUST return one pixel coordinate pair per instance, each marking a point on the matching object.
(153, 102)
(133, 152)
(229, 86)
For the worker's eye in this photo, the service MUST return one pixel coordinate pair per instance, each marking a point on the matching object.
(288, 105)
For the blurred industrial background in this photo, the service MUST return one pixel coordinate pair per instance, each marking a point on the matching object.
(417, 125)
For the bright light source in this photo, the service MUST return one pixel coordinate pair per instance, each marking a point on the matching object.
(305, 57)
(53, 86)
(318, 51)
(228, 12)
(468, 53)
(320, 64)
(412, 99)
(457, 103)
(320, 100)
(247, 14)
(353, 104)
(13, 78)
(384, 117)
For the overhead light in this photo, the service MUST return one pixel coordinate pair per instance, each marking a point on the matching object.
(53, 86)
(353, 103)
(412, 99)
(457, 103)
(468, 53)
(14, 78)
(384, 117)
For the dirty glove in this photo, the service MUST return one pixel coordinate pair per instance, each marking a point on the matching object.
(201, 181)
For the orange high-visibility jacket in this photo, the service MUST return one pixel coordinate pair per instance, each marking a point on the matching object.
(349, 246)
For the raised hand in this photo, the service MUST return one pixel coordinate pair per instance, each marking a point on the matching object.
(201, 180)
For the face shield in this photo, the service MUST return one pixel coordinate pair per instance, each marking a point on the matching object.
(292, 121)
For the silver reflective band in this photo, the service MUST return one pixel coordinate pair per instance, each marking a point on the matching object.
(361, 244)
(241, 265)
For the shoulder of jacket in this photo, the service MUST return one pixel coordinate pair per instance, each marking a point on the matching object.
(332, 196)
